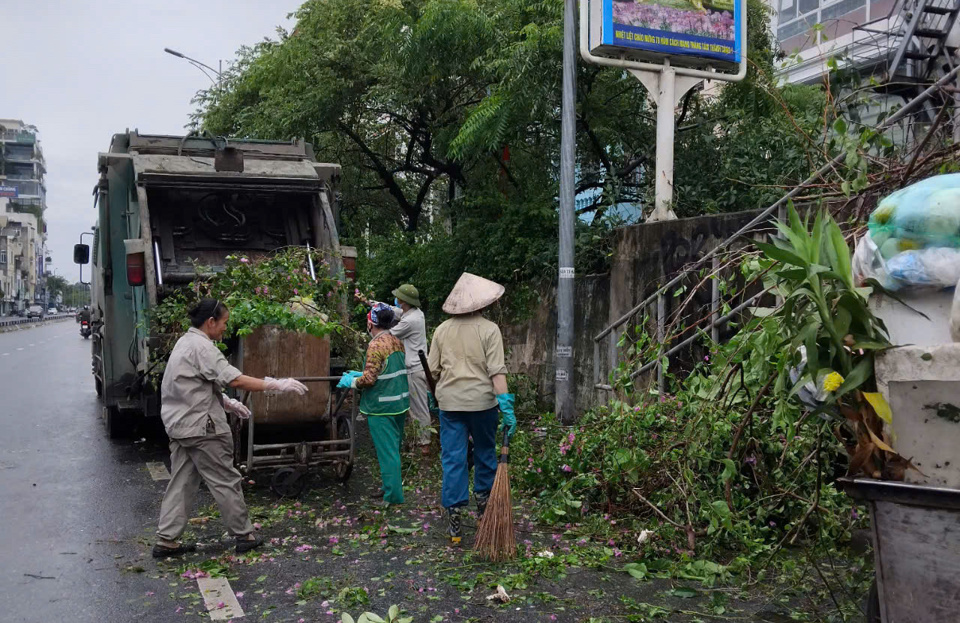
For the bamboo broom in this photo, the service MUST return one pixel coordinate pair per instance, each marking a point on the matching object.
(495, 536)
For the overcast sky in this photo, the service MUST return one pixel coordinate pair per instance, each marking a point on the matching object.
(82, 71)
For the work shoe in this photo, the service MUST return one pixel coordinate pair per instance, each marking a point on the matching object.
(245, 545)
(162, 551)
(454, 525)
(482, 499)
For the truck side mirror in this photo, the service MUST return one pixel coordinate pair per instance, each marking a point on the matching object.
(81, 254)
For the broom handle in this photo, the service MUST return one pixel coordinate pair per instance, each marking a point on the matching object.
(426, 370)
(505, 448)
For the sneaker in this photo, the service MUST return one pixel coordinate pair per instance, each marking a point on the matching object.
(482, 499)
(245, 545)
(454, 525)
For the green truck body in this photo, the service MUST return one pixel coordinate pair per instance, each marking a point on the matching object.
(167, 204)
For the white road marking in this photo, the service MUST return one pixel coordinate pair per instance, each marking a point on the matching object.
(5, 355)
(31, 345)
(20, 349)
(217, 591)
(158, 471)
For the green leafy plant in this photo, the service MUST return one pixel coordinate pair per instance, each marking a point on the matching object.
(353, 596)
(276, 289)
(826, 317)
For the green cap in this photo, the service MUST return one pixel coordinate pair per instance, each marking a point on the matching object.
(408, 294)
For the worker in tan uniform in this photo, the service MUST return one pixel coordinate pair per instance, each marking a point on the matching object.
(411, 328)
(467, 359)
(193, 410)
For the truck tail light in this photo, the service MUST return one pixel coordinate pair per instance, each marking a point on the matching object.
(136, 269)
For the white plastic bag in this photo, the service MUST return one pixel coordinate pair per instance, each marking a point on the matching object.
(935, 267)
(868, 263)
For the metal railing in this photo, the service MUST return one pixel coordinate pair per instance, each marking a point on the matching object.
(610, 334)
(18, 136)
(18, 321)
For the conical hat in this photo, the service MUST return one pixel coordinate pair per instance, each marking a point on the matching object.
(472, 294)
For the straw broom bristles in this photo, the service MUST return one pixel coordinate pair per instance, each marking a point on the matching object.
(495, 536)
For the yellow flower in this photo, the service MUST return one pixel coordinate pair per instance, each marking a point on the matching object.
(832, 382)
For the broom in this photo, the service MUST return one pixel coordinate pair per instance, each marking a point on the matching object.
(495, 537)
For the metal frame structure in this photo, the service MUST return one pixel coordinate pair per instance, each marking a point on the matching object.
(611, 332)
(303, 455)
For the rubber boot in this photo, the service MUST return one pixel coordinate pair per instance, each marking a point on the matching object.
(482, 499)
(454, 525)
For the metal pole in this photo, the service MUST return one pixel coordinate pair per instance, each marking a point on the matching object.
(666, 127)
(715, 299)
(565, 400)
(661, 339)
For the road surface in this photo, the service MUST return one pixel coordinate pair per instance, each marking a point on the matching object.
(73, 502)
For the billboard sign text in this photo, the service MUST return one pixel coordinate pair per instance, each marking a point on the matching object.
(693, 33)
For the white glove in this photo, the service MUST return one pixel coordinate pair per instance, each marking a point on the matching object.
(231, 405)
(285, 385)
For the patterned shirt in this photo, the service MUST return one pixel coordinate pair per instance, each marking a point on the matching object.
(381, 347)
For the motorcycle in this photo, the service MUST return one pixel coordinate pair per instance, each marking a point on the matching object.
(85, 329)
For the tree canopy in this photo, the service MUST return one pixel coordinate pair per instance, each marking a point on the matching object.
(445, 115)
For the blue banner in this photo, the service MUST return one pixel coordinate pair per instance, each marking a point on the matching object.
(704, 29)
(8, 191)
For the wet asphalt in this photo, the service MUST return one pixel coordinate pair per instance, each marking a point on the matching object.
(74, 504)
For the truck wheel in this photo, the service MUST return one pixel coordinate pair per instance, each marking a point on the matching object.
(118, 427)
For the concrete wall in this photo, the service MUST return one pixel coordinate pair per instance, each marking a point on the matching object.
(643, 255)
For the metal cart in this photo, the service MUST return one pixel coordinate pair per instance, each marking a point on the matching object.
(292, 461)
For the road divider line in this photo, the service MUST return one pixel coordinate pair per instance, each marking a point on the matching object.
(21, 348)
(219, 599)
(158, 471)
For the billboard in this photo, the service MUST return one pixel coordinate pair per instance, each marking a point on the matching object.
(8, 191)
(692, 33)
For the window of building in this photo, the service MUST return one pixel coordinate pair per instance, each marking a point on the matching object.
(3, 256)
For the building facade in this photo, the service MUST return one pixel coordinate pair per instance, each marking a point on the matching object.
(904, 43)
(22, 226)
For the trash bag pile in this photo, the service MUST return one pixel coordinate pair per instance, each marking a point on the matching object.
(914, 237)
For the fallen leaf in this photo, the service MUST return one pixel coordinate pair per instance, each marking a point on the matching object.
(880, 406)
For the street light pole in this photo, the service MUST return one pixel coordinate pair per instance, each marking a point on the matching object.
(202, 67)
(565, 404)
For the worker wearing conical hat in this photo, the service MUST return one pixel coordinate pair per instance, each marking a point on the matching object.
(467, 360)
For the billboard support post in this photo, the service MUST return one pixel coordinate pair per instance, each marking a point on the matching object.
(665, 89)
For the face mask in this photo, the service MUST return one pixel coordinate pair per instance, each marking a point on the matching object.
(396, 303)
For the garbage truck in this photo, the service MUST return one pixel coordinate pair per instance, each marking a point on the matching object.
(167, 205)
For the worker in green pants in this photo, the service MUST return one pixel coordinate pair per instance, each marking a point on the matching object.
(385, 398)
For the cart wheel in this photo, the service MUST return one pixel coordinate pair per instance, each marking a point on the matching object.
(344, 432)
(288, 482)
(873, 604)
